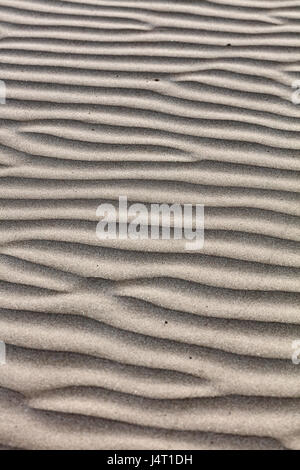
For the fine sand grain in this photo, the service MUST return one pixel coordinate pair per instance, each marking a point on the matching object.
(123, 344)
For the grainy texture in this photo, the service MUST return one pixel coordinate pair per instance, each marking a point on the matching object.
(126, 344)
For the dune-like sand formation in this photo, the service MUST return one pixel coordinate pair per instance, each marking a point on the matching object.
(139, 344)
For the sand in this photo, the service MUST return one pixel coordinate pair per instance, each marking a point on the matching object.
(125, 344)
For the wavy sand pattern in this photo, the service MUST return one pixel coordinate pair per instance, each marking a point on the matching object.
(131, 344)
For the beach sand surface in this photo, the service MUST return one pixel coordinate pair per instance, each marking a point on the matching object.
(139, 344)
